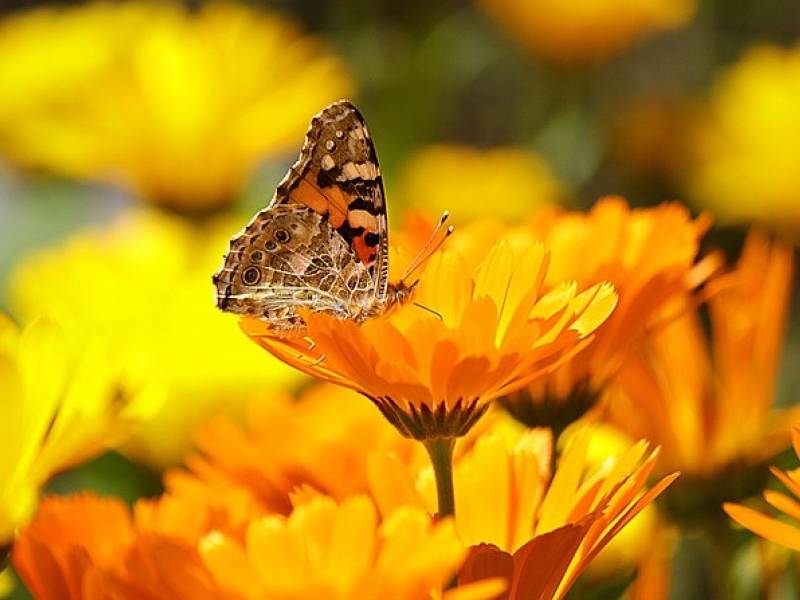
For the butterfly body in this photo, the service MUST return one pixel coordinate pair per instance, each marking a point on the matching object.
(322, 242)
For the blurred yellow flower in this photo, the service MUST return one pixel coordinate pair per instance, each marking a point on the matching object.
(530, 518)
(770, 528)
(748, 145)
(177, 105)
(60, 404)
(142, 284)
(504, 182)
(710, 405)
(581, 31)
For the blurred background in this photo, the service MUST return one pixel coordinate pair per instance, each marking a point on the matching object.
(137, 137)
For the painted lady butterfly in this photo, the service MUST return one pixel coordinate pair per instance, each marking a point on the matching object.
(322, 243)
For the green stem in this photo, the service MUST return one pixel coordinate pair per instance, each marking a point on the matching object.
(441, 452)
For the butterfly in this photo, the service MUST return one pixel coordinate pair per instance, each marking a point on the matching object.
(322, 242)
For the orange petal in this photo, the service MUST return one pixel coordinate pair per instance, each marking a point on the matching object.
(764, 526)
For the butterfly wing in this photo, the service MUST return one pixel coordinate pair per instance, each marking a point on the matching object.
(338, 177)
(321, 243)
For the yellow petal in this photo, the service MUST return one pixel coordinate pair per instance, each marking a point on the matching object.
(352, 543)
(593, 306)
(229, 565)
(567, 478)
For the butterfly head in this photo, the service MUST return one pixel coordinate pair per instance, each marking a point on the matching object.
(399, 293)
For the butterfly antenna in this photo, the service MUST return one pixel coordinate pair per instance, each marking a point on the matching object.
(429, 248)
(428, 309)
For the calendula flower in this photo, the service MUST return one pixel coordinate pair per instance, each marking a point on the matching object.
(585, 31)
(317, 443)
(710, 405)
(485, 333)
(327, 551)
(770, 528)
(60, 404)
(468, 178)
(84, 544)
(536, 531)
(748, 145)
(141, 284)
(177, 105)
(648, 254)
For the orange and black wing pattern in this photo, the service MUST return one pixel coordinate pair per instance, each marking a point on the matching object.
(337, 175)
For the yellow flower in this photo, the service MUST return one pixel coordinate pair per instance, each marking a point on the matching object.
(486, 332)
(60, 404)
(711, 406)
(529, 519)
(142, 285)
(770, 528)
(748, 164)
(582, 31)
(178, 106)
(647, 254)
(340, 552)
(505, 182)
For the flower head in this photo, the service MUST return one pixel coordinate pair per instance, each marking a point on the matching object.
(748, 158)
(647, 254)
(710, 406)
(483, 333)
(685, 382)
(585, 31)
(178, 106)
(770, 528)
(341, 552)
(60, 403)
(141, 284)
(85, 545)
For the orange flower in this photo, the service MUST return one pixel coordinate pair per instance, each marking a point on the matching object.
(537, 532)
(84, 546)
(711, 408)
(49, 561)
(319, 442)
(647, 254)
(769, 527)
(486, 332)
(88, 547)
